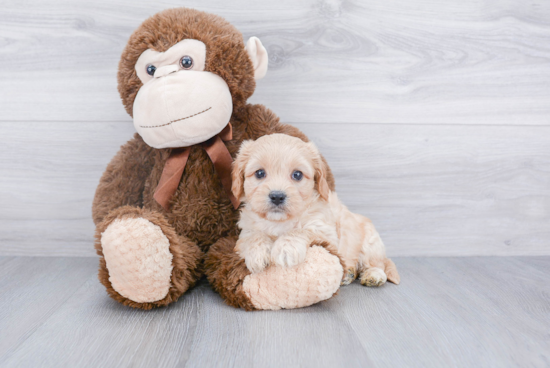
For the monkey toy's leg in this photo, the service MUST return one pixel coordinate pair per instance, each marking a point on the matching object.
(144, 263)
(314, 280)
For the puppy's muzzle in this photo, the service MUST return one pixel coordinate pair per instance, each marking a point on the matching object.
(277, 197)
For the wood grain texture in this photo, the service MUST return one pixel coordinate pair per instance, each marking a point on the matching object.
(31, 290)
(430, 190)
(433, 114)
(49, 172)
(399, 61)
(484, 311)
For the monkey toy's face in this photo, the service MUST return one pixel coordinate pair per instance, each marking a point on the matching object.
(184, 98)
(179, 104)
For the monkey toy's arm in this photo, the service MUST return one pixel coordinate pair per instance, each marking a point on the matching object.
(123, 181)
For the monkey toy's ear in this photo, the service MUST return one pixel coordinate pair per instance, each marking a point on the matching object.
(258, 56)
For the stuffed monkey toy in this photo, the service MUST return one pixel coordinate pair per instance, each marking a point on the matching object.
(163, 209)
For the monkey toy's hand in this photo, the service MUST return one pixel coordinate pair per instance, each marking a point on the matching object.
(314, 279)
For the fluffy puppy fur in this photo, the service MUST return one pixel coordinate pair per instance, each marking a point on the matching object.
(288, 205)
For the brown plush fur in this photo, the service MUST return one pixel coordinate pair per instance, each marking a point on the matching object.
(225, 52)
(201, 213)
(226, 272)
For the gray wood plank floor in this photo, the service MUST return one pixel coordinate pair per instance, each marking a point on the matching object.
(463, 312)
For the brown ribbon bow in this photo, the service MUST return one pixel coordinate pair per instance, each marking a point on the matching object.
(174, 166)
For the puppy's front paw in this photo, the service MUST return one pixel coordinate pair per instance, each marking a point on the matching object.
(288, 251)
(373, 277)
(256, 252)
(257, 259)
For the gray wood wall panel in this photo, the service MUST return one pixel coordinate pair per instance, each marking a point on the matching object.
(430, 190)
(422, 61)
(433, 114)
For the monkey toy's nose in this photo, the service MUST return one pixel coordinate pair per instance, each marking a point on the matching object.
(277, 197)
(165, 70)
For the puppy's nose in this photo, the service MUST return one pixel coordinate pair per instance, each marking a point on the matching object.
(277, 197)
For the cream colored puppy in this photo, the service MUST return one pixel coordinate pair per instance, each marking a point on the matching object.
(288, 206)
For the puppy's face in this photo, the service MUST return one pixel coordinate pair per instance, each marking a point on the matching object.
(277, 176)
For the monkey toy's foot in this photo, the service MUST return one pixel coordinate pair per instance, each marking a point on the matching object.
(316, 279)
(145, 263)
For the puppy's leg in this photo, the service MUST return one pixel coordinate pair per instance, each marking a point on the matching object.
(373, 276)
(376, 268)
(255, 249)
(350, 275)
(379, 274)
(290, 249)
(349, 249)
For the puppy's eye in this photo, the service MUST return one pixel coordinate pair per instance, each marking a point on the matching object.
(297, 175)
(151, 70)
(260, 174)
(186, 62)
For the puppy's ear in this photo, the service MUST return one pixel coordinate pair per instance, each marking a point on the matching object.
(237, 174)
(320, 167)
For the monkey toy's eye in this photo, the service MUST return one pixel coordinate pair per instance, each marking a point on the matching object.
(151, 70)
(297, 175)
(186, 62)
(260, 174)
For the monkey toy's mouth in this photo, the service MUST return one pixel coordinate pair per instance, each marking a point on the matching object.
(175, 121)
(184, 108)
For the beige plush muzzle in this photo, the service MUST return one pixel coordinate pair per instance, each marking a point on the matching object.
(181, 108)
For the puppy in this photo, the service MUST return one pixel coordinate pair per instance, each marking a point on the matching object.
(288, 206)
